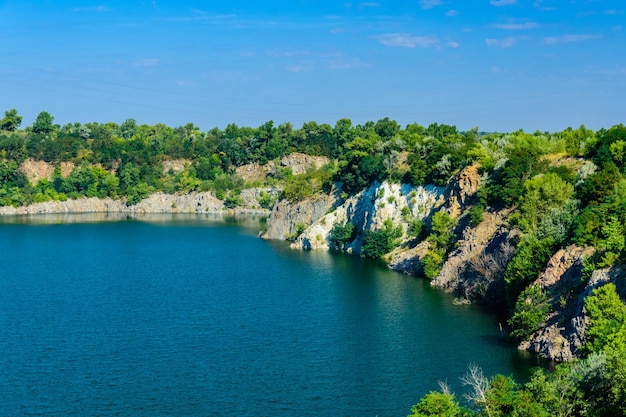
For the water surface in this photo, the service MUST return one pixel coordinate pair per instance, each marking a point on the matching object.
(192, 316)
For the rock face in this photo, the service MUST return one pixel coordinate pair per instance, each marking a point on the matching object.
(562, 334)
(368, 210)
(297, 162)
(255, 171)
(462, 190)
(475, 270)
(286, 217)
(156, 203)
(39, 170)
(175, 165)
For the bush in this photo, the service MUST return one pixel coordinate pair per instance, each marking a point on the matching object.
(531, 309)
(340, 235)
(376, 243)
(527, 263)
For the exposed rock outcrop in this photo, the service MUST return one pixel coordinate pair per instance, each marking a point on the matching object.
(297, 162)
(255, 171)
(156, 203)
(286, 217)
(462, 190)
(175, 165)
(476, 268)
(39, 170)
(562, 333)
(368, 210)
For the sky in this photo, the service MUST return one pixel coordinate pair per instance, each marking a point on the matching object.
(499, 65)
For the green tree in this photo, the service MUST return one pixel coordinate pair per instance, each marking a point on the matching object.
(531, 309)
(529, 259)
(340, 235)
(437, 404)
(607, 319)
(376, 243)
(541, 194)
(44, 123)
(11, 120)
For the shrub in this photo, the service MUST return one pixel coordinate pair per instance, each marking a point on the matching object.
(531, 309)
(340, 235)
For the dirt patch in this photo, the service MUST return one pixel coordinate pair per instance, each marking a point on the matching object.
(176, 165)
(36, 171)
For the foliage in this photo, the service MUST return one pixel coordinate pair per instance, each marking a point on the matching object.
(541, 194)
(607, 319)
(530, 257)
(376, 243)
(442, 230)
(531, 309)
(416, 227)
(340, 235)
(11, 120)
(437, 404)
(44, 123)
(441, 239)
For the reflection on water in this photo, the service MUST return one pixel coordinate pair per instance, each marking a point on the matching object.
(245, 220)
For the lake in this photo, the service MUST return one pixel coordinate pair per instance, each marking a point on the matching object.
(197, 316)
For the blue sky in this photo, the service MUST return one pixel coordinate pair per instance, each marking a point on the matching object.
(500, 65)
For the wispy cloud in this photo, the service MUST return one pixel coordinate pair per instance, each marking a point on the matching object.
(500, 43)
(306, 61)
(405, 40)
(452, 12)
(538, 4)
(499, 3)
(516, 26)
(429, 4)
(453, 44)
(557, 40)
(369, 4)
(94, 9)
(146, 62)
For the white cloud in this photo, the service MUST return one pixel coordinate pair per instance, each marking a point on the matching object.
(146, 62)
(369, 4)
(453, 44)
(429, 4)
(516, 26)
(500, 43)
(568, 39)
(452, 12)
(407, 41)
(499, 3)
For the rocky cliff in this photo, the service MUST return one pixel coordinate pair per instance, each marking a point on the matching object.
(156, 203)
(367, 210)
(475, 269)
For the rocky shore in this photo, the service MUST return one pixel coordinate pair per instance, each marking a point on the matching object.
(197, 202)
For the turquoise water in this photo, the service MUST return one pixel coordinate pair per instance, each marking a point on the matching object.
(188, 316)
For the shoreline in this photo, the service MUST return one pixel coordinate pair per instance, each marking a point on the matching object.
(190, 203)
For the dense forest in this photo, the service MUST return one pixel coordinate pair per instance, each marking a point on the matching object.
(562, 188)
